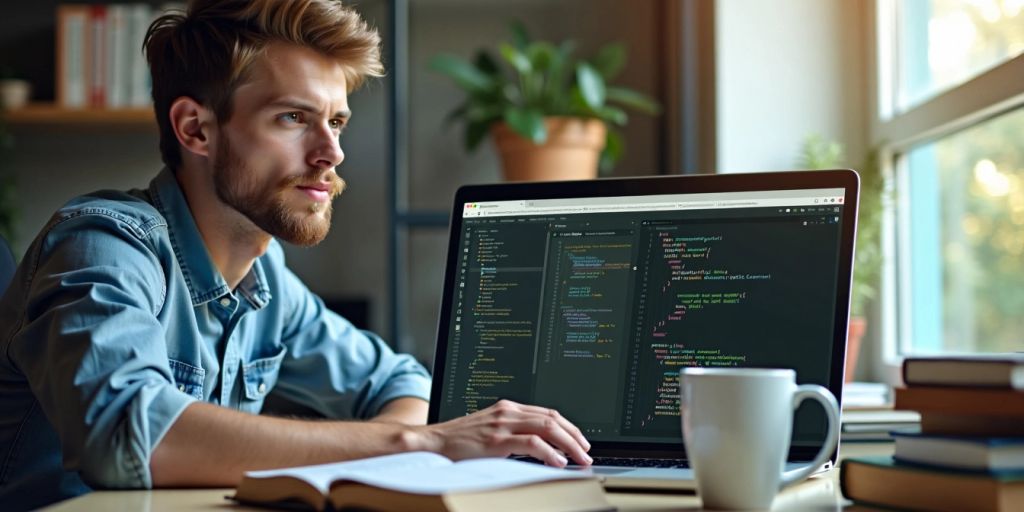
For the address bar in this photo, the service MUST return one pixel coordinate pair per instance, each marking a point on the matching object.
(627, 207)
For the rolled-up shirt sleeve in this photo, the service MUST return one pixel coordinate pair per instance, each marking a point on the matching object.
(93, 349)
(336, 369)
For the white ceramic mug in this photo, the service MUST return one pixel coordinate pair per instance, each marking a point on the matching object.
(737, 424)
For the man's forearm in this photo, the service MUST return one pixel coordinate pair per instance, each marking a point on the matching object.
(212, 446)
(405, 410)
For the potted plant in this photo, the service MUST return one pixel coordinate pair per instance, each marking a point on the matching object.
(548, 111)
(819, 153)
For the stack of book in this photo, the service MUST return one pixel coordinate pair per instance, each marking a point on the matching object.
(969, 454)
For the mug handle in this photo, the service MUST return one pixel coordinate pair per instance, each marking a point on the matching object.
(828, 402)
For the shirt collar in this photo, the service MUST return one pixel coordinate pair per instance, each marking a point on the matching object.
(205, 283)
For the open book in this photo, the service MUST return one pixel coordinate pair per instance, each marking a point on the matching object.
(425, 482)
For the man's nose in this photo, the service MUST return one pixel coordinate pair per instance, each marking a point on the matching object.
(327, 151)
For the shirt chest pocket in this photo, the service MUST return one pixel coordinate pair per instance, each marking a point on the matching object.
(187, 378)
(258, 378)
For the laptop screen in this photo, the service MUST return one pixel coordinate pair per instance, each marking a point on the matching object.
(591, 305)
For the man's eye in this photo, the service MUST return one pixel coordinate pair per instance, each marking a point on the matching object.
(336, 124)
(292, 117)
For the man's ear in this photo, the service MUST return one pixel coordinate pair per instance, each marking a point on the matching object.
(192, 124)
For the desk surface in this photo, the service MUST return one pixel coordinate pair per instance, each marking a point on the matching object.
(821, 493)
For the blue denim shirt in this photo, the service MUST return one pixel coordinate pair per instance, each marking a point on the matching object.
(117, 319)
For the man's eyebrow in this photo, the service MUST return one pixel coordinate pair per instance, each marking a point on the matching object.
(308, 107)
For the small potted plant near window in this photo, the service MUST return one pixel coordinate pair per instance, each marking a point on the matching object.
(818, 153)
(549, 112)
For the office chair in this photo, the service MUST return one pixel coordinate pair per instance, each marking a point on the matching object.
(7, 265)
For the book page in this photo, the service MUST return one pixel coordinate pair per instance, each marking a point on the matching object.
(322, 475)
(464, 476)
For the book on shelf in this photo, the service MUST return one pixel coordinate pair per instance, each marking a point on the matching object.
(882, 481)
(1004, 370)
(962, 401)
(98, 47)
(425, 481)
(73, 55)
(986, 454)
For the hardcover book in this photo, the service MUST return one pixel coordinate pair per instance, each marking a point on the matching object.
(421, 481)
(971, 425)
(881, 481)
(987, 454)
(982, 370)
(961, 401)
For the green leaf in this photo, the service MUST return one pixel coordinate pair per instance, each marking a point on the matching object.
(515, 58)
(613, 115)
(555, 88)
(527, 122)
(610, 60)
(463, 73)
(591, 85)
(631, 98)
(520, 37)
(476, 132)
(542, 56)
(614, 147)
(577, 106)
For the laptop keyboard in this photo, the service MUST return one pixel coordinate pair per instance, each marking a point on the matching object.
(623, 462)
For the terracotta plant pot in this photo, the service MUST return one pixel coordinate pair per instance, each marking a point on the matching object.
(858, 325)
(570, 153)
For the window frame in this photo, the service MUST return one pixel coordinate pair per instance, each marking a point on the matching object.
(894, 132)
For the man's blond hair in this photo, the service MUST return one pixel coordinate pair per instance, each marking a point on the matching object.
(206, 52)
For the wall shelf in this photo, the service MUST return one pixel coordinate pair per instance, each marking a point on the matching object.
(48, 113)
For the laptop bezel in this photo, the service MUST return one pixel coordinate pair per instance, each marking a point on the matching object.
(846, 179)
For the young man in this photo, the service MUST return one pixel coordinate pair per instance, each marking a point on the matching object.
(144, 329)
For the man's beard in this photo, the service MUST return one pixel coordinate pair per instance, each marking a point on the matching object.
(265, 205)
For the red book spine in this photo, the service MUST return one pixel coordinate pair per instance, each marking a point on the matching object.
(98, 50)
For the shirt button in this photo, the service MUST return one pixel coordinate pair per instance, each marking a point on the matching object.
(181, 387)
(225, 302)
(262, 388)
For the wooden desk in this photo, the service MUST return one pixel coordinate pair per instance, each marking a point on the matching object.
(820, 493)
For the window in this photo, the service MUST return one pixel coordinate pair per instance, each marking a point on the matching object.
(942, 43)
(951, 128)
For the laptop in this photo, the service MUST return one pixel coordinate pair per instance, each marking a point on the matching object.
(589, 296)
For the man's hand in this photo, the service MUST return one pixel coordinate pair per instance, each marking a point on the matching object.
(507, 428)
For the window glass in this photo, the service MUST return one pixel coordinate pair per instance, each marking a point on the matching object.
(966, 239)
(943, 43)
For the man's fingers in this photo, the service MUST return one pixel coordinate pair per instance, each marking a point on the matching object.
(573, 430)
(552, 431)
(534, 446)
